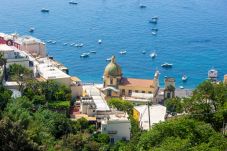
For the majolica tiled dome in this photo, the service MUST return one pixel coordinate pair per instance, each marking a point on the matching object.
(113, 69)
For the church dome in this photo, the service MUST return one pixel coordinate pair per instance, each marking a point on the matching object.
(113, 69)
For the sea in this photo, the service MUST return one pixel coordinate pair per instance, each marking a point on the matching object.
(192, 35)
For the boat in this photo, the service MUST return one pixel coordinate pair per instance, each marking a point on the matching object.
(143, 52)
(142, 6)
(92, 51)
(153, 55)
(123, 52)
(84, 55)
(154, 20)
(154, 29)
(155, 17)
(184, 78)
(79, 45)
(213, 74)
(44, 10)
(72, 2)
(53, 42)
(31, 30)
(108, 59)
(154, 33)
(49, 41)
(167, 65)
(72, 44)
(99, 41)
(181, 87)
(65, 44)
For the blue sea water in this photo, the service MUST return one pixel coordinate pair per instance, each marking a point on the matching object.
(192, 35)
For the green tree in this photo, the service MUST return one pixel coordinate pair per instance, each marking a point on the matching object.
(174, 105)
(188, 133)
(121, 105)
(5, 96)
(20, 74)
(14, 138)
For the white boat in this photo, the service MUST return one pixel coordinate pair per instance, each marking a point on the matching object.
(72, 44)
(65, 44)
(181, 87)
(167, 65)
(108, 59)
(84, 55)
(72, 2)
(184, 78)
(53, 42)
(212, 74)
(92, 51)
(99, 41)
(31, 29)
(49, 41)
(154, 20)
(44, 10)
(123, 52)
(154, 33)
(79, 45)
(153, 55)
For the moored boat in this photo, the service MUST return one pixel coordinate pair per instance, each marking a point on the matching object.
(99, 41)
(92, 51)
(108, 59)
(72, 2)
(44, 10)
(167, 65)
(123, 52)
(142, 6)
(84, 55)
(153, 55)
(184, 78)
(32, 29)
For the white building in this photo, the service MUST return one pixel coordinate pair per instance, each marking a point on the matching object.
(117, 126)
(157, 114)
(14, 56)
(29, 44)
(94, 104)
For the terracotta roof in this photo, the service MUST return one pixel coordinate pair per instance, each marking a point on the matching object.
(137, 82)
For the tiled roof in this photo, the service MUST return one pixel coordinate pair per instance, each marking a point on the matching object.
(137, 82)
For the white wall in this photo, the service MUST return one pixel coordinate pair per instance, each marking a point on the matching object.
(122, 129)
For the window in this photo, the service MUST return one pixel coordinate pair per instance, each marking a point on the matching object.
(123, 92)
(149, 92)
(129, 92)
(136, 91)
(143, 91)
(111, 140)
(111, 81)
(168, 95)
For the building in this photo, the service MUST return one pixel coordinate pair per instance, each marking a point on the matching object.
(225, 78)
(28, 44)
(141, 114)
(93, 104)
(14, 56)
(117, 126)
(115, 85)
(169, 91)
